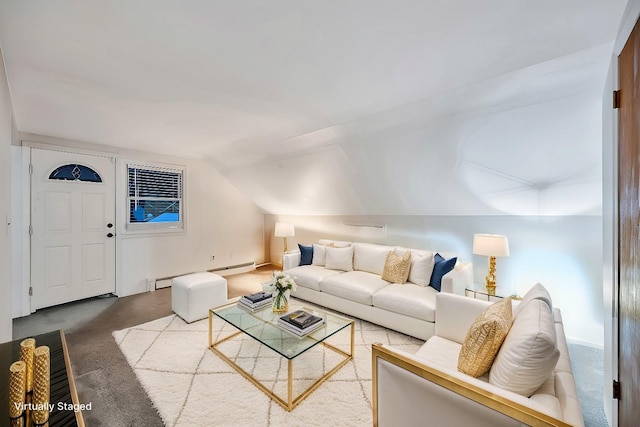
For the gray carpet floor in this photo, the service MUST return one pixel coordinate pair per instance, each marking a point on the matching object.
(103, 376)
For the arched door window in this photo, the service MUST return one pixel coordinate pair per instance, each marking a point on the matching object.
(75, 172)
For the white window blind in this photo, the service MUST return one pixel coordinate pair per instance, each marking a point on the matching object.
(155, 198)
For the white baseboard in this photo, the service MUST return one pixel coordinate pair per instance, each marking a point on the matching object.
(163, 283)
(236, 269)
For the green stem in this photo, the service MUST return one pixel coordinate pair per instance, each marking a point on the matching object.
(281, 299)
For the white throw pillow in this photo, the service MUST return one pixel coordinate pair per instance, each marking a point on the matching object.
(339, 259)
(529, 353)
(319, 255)
(536, 292)
(370, 257)
(421, 267)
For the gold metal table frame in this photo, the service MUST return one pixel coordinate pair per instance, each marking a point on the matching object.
(291, 402)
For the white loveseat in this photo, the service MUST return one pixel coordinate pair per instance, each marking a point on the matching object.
(411, 388)
(409, 308)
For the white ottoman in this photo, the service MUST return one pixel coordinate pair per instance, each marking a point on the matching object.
(194, 294)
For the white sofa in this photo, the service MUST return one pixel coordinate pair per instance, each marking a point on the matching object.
(408, 308)
(411, 388)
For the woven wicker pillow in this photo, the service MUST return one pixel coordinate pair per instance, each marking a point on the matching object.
(396, 268)
(484, 338)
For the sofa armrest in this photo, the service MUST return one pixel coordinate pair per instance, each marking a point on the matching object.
(458, 279)
(290, 260)
(407, 391)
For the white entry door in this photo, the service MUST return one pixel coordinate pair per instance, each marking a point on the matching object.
(73, 227)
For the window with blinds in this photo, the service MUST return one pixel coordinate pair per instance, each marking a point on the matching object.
(155, 198)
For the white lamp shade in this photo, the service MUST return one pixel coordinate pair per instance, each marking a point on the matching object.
(284, 229)
(490, 245)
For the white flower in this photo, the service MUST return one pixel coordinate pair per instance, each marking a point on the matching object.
(282, 282)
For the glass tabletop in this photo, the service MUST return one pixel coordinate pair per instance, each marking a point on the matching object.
(481, 289)
(262, 326)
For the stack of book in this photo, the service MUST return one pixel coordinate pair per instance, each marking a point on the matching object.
(300, 322)
(255, 302)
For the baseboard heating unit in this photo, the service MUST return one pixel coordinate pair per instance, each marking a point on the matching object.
(165, 282)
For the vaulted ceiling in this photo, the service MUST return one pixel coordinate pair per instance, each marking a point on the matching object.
(334, 106)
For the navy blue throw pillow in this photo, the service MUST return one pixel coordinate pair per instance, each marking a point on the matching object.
(442, 266)
(306, 254)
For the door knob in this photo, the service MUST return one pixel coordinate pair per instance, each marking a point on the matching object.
(109, 225)
(109, 234)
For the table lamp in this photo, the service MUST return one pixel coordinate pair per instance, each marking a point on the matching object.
(284, 230)
(491, 245)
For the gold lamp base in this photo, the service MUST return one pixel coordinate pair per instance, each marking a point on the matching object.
(490, 280)
(491, 290)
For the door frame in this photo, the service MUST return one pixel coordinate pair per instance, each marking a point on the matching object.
(27, 142)
(627, 24)
(610, 217)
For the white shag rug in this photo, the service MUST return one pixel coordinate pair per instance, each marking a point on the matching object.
(190, 385)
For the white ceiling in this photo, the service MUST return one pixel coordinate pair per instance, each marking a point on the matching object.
(501, 97)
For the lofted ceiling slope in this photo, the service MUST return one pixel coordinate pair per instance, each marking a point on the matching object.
(332, 107)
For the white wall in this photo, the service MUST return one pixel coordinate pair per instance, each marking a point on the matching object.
(19, 232)
(220, 221)
(562, 252)
(6, 132)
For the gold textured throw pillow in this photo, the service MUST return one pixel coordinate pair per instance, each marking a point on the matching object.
(484, 338)
(396, 268)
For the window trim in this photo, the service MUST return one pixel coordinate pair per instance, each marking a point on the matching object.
(154, 227)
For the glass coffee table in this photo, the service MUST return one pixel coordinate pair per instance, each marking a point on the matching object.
(262, 326)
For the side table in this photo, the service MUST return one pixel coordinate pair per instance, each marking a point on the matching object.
(480, 289)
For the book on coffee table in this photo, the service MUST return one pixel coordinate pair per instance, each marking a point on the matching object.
(257, 297)
(296, 332)
(255, 302)
(300, 322)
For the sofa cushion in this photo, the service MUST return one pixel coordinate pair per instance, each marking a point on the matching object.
(567, 393)
(334, 243)
(440, 352)
(484, 338)
(309, 276)
(536, 292)
(396, 267)
(551, 403)
(306, 254)
(564, 362)
(369, 257)
(319, 255)
(408, 299)
(339, 259)
(440, 268)
(358, 286)
(421, 266)
(529, 353)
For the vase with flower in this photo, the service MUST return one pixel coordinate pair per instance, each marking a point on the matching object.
(280, 286)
